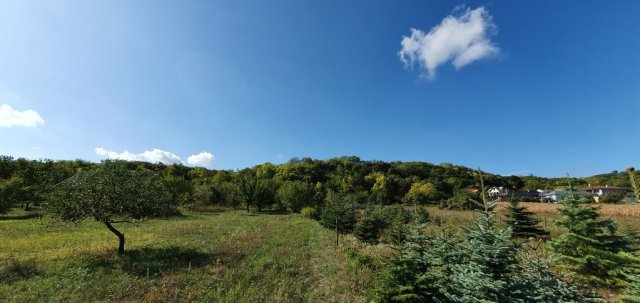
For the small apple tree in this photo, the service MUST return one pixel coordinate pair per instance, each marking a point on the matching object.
(114, 192)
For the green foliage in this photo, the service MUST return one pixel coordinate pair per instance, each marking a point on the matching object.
(631, 292)
(522, 222)
(253, 190)
(368, 229)
(336, 208)
(417, 272)
(112, 193)
(480, 266)
(613, 198)
(309, 212)
(536, 282)
(591, 247)
(9, 192)
(294, 195)
(176, 186)
(422, 193)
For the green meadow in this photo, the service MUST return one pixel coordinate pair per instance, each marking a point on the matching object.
(199, 257)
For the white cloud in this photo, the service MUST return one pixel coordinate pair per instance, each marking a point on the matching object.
(201, 159)
(461, 39)
(156, 155)
(10, 117)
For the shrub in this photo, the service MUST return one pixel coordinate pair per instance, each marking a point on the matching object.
(309, 212)
(613, 198)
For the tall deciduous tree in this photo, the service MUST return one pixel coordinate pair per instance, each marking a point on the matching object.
(112, 193)
(253, 190)
(294, 195)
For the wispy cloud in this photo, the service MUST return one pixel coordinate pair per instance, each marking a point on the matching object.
(156, 156)
(461, 39)
(10, 117)
(201, 159)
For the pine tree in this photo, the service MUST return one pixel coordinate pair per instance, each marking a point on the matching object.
(522, 222)
(591, 247)
(631, 292)
(536, 283)
(490, 259)
(480, 266)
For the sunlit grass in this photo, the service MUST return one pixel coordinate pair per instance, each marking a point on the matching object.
(221, 257)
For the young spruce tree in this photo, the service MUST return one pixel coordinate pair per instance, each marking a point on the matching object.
(591, 248)
(480, 266)
(522, 222)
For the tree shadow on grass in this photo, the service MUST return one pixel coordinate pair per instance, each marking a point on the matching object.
(150, 261)
(25, 216)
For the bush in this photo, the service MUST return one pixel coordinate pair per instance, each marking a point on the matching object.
(613, 198)
(309, 212)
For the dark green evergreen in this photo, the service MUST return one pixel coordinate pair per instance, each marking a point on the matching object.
(479, 266)
(523, 223)
(591, 248)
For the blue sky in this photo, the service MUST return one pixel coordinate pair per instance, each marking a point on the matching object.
(514, 87)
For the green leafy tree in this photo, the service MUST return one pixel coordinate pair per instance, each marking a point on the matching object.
(295, 195)
(253, 190)
(421, 193)
(591, 247)
(522, 222)
(110, 194)
(380, 191)
(9, 190)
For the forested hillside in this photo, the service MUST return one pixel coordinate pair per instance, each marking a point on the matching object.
(26, 182)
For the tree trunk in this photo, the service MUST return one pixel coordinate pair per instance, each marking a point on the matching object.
(117, 233)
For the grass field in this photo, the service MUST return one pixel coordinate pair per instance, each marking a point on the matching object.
(215, 257)
(205, 257)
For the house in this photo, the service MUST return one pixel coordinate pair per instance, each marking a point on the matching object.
(557, 195)
(499, 192)
(602, 191)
